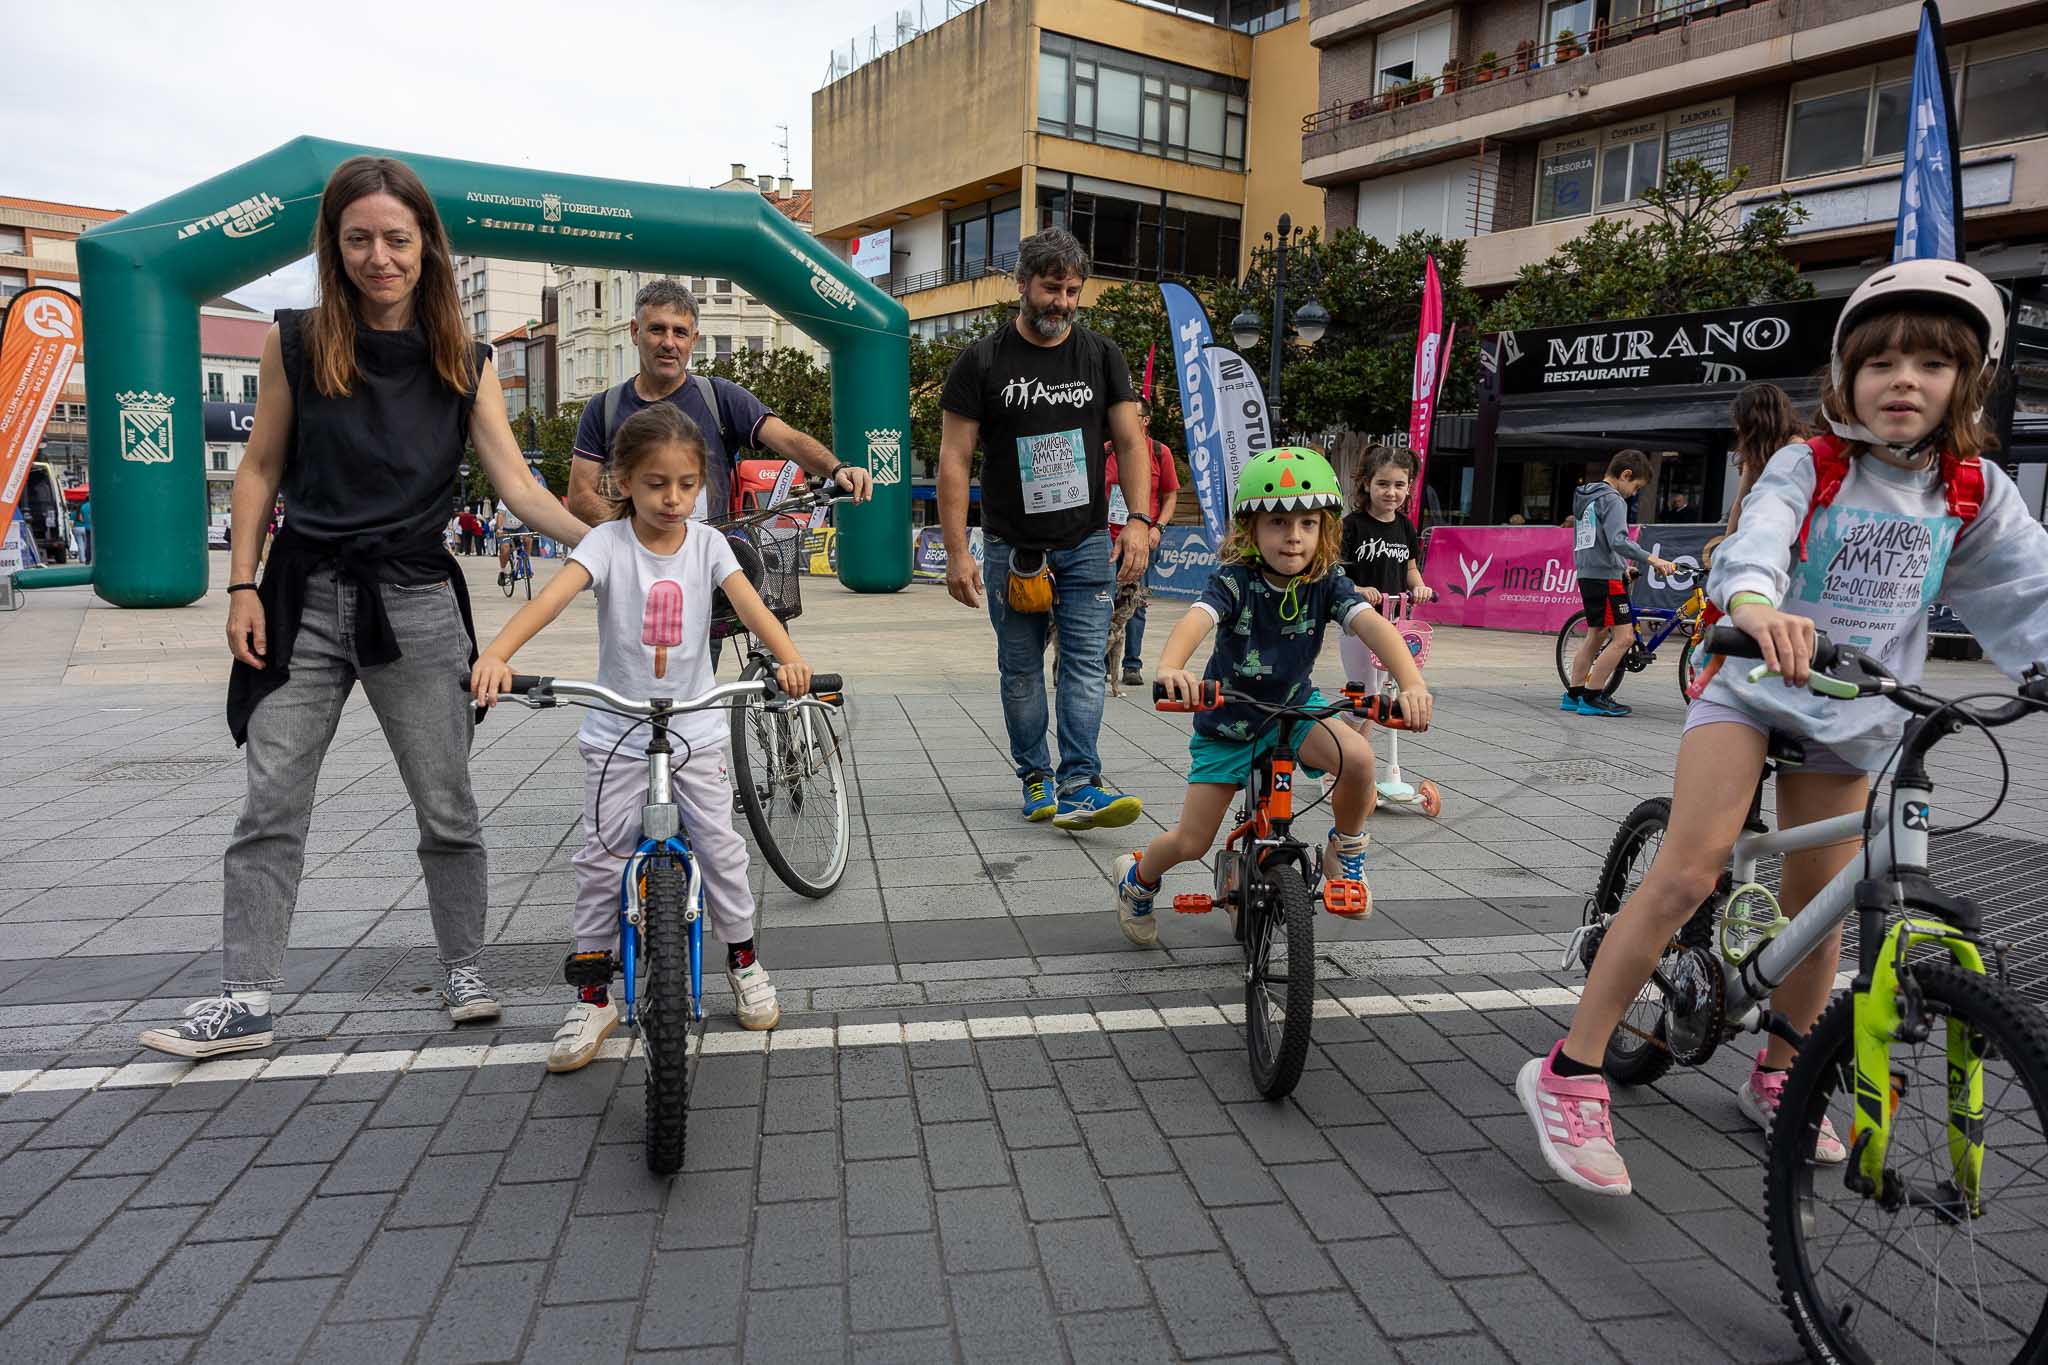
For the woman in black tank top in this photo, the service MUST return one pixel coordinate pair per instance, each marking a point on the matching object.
(363, 409)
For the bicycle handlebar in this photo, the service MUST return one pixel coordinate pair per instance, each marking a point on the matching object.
(1384, 710)
(536, 689)
(810, 495)
(1831, 659)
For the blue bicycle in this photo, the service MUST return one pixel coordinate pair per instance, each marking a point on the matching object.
(661, 892)
(1652, 627)
(518, 563)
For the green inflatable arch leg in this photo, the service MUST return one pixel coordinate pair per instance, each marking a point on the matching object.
(144, 275)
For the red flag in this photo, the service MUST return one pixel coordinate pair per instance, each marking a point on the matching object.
(1429, 358)
(1150, 356)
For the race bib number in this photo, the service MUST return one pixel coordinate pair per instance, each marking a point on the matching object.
(1589, 528)
(1052, 471)
(1119, 510)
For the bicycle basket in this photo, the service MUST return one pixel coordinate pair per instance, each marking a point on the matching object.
(770, 556)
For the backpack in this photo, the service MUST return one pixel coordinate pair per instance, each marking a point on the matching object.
(612, 397)
(1962, 479)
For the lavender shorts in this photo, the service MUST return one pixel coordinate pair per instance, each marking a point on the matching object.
(1819, 758)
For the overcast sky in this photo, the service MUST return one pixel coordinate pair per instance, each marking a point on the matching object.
(118, 103)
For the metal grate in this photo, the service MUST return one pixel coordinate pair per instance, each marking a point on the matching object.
(2006, 878)
(1574, 772)
(157, 769)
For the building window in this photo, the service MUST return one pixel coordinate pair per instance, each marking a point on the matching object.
(13, 242)
(248, 388)
(1256, 16)
(12, 282)
(2002, 100)
(220, 461)
(1568, 16)
(1630, 162)
(1143, 234)
(216, 387)
(1407, 54)
(1105, 95)
(982, 237)
(721, 291)
(597, 295)
(1564, 178)
(757, 344)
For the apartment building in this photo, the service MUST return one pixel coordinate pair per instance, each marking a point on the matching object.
(1513, 122)
(230, 359)
(37, 239)
(596, 307)
(498, 295)
(1165, 137)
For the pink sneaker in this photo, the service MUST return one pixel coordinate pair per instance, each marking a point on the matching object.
(1574, 1124)
(1759, 1100)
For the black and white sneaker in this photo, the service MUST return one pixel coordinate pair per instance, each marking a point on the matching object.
(211, 1027)
(468, 999)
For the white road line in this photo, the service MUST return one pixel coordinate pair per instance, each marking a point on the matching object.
(463, 1057)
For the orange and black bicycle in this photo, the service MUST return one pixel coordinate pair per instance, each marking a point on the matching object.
(1269, 882)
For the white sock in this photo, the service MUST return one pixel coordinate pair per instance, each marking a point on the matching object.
(257, 1001)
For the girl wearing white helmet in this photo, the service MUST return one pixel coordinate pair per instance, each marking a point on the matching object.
(1854, 533)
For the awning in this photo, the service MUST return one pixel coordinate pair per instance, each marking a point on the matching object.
(1690, 411)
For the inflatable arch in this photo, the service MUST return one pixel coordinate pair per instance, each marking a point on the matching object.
(144, 275)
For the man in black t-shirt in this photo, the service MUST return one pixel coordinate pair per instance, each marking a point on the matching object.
(1039, 397)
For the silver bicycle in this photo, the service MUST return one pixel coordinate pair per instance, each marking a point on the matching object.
(1928, 1242)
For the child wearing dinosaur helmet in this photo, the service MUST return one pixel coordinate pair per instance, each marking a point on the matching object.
(1277, 588)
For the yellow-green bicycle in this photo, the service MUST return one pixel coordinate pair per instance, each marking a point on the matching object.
(1931, 1241)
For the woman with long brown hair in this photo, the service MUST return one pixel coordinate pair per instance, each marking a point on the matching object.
(1764, 424)
(363, 408)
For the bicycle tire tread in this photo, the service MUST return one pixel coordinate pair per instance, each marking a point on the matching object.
(1297, 911)
(2019, 1034)
(665, 1016)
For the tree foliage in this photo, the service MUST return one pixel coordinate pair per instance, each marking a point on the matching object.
(1694, 251)
(787, 380)
(930, 361)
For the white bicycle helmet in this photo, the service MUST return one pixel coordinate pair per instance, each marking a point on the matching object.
(1937, 286)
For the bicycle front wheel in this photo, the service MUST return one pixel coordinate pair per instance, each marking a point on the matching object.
(663, 1000)
(1280, 980)
(1570, 636)
(1922, 1277)
(792, 787)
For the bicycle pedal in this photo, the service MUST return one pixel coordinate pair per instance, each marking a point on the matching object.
(1188, 903)
(1347, 898)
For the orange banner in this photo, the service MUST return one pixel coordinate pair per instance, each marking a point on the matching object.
(39, 339)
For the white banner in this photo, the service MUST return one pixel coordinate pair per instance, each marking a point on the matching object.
(870, 254)
(1240, 422)
(11, 548)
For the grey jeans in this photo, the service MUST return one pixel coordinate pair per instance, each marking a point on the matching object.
(426, 719)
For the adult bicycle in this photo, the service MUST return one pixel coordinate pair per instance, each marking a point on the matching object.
(1269, 882)
(661, 891)
(1928, 1242)
(1650, 628)
(788, 765)
(518, 564)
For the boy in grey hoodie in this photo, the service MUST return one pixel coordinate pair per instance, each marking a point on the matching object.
(1601, 551)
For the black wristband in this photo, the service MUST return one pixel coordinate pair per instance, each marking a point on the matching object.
(832, 474)
(1140, 516)
(242, 587)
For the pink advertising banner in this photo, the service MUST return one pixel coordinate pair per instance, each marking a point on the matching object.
(1502, 577)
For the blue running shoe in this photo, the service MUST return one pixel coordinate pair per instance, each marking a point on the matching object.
(1092, 807)
(1039, 801)
(1134, 903)
(1568, 704)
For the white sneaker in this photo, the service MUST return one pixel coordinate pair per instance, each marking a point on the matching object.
(753, 996)
(584, 1029)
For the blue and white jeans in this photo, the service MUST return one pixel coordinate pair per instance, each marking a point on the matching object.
(1084, 584)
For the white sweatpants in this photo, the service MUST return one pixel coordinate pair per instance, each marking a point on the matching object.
(1358, 664)
(611, 834)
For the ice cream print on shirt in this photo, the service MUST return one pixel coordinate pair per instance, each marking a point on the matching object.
(662, 625)
(1052, 471)
(1868, 573)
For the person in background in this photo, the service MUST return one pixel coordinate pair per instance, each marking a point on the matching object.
(1131, 597)
(1764, 423)
(1602, 552)
(1681, 509)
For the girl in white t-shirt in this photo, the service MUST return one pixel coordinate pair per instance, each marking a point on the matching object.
(655, 573)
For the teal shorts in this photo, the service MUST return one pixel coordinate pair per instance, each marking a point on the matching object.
(1228, 762)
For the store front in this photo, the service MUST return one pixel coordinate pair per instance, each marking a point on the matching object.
(1555, 403)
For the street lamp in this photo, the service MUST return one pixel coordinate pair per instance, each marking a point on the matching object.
(1291, 248)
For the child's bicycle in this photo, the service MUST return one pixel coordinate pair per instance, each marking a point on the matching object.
(519, 565)
(661, 892)
(1269, 881)
(787, 764)
(1928, 1244)
(1651, 627)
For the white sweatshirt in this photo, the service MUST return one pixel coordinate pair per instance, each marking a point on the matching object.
(1877, 558)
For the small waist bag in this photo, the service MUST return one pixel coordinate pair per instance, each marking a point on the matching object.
(1030, 587)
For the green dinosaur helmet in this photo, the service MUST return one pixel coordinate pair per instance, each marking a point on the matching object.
(1290, 479)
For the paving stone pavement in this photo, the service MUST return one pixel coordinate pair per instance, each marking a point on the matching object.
(987, 1128)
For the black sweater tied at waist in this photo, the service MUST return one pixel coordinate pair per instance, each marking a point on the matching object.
(361, 561)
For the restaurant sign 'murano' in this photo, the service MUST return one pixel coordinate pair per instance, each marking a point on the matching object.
(1728, 346)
